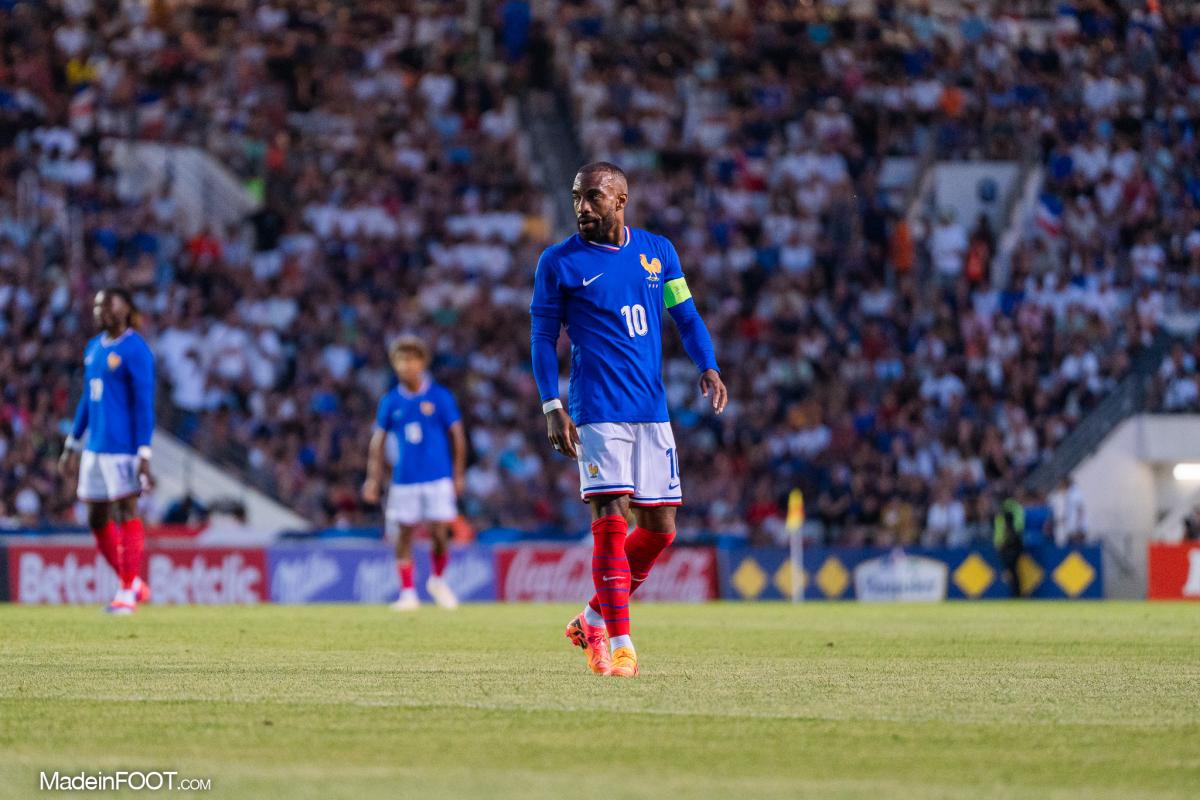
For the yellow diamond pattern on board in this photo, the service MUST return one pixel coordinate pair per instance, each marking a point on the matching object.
(832, 578)
(749, 579)
(1074, 574)
(783, 579)
(1030, 573)
(973, 576)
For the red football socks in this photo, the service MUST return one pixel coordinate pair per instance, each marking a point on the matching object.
(405, 570)
(108, 542)
(641, 550)
(439, 562)
(610, 572)
(133, 543)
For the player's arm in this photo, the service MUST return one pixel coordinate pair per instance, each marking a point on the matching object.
(68, 462)
(458, 449)
(141, 375)
(546, 317)
(696, 340)
(373, 486)
(452, 419)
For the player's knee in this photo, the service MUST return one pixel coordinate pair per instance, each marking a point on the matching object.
(440, 537)
(404, 542)
(660, 519)
(124, 510)
(97, 515)
(607, 505)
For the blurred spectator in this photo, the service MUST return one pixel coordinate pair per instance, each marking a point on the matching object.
(1191, 526)
(945, 522)
(1068, 514)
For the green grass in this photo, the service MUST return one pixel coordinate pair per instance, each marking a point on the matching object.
(1096, 700)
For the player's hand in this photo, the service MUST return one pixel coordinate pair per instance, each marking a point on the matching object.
(145, 477)
(460, 485)
(68, 463)
(561, 431)
(370, 491)
(712, 386)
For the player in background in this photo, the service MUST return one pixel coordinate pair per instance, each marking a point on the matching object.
(116, 410)
(608, 284)
(427, 475)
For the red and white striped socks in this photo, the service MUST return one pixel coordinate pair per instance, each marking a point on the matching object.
(611, 576)
(642, 548)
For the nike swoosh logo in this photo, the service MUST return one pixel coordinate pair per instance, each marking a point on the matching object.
(590, 281)
(672, 486)
(612, 578)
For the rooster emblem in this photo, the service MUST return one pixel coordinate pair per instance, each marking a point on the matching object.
(653, 266)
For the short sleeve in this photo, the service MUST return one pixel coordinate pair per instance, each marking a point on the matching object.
(383, 412)
(547, 288)
(448, 408)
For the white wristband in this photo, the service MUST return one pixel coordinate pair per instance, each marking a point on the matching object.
(73, 444)
(144, 452)
(551, 405)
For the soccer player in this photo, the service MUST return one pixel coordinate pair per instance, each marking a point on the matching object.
(427, 475)
(608, 284)
(116, 410)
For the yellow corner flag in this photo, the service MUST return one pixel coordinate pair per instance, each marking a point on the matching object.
(795, 510)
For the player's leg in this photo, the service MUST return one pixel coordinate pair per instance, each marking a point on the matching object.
(400, 516)
(657, 491)
(437, 587)
(606, 480)
(408, 600)
(124, 486)
(108, 540)
(93, 491)
(653, 532)
(610, 567)
(440, 507)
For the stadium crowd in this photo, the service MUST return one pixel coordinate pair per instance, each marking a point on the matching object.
(872, 360)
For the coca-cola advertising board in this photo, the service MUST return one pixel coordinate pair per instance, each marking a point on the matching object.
(70, 575)
(1174, 571)
(564, 574)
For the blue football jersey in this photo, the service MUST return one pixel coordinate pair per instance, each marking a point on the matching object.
(421, 424)
(611, 300)
(116, 409)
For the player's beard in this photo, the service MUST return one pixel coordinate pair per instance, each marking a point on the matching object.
(598, 228)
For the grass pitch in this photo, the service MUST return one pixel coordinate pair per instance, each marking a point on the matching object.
(979, 700)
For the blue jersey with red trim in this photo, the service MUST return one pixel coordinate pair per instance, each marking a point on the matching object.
(116, 409)
(611, 300)
(420, 423)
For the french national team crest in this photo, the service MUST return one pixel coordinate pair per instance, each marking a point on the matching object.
(427, 408)
(653, 266)
(593, 470)
(114, 361)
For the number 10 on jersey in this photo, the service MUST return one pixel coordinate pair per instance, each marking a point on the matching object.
(635, 319)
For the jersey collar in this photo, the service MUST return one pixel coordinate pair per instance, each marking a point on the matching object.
(410, 395)
(611, 247)
(107, 342)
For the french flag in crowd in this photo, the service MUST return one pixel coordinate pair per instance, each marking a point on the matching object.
(1048, 216)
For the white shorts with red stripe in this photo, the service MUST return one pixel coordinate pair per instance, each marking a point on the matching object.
(633, 458)
(104, 477)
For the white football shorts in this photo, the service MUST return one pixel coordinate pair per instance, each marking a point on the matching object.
(410, 503)
(634, 458)
(104, 477)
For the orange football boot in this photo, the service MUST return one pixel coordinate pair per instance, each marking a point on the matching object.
(624, 663)
(593, 641)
